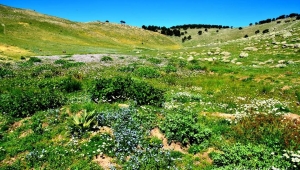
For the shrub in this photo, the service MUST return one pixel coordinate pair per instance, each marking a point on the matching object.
(154, 60)
(147, 72)
(267, 129)
(182, 127)
(265, 31)
(106, 58)
(71, 84)
(239, 156)
(197, 67)
(170, 68)
(34, 60)
(5, 73)
(124, 88)
(22, 103)
(60, 61)
(71, 64)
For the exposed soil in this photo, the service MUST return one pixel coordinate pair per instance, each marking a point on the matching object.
(24, 134)
(173, 146)
(204, 156)
(104, 161)
(93, 58)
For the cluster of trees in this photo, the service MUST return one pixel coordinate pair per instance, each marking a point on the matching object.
(292, 15)
(198, 26)
(175, 30)
(164, 30)
(186, 38)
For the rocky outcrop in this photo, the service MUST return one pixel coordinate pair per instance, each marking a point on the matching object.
(243, 54)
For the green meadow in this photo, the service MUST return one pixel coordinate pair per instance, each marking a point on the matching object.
(103, 95)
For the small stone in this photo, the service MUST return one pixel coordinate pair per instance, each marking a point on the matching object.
(243, 55)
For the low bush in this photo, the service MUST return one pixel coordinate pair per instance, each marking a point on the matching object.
(60, 61)
(182, 126)
(106, 58)
(147, 72)
(170, 68)
(34, 60)
(154, 60)
(22, 103)
(249, 156)
(267, 129)
(71, 84)
(5, 73)
(124, 88)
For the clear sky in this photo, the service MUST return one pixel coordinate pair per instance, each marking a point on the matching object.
(162, 12)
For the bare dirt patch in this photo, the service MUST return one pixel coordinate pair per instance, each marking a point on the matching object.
(26, 133)
(204, 156)
(173, 146)
(93, 58)
(104, 161)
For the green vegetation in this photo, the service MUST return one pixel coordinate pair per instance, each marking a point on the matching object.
(155, 106)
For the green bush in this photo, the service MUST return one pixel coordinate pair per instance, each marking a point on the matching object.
(71, 84)
(106, 58)
(248, 156)
(34, 60)
(5, 73)
(170, 68)
(147, 72)
(124, 88)
(60, 61)
(154, 60)
(22, 103)
(197, 67)
(182, 127)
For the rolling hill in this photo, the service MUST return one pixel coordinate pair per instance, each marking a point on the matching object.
(26, 32)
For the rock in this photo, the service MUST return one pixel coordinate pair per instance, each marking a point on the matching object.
(287, 34)
(281, 61)
(225, 53)
(290, 62)
(268, 48)
(209, 53)
(238, 63)
(190, 58)
(288, 45)
(269, 61)
(280, 65)
(250, 49)
(275, 46)
(243, 55)
(283, 42)
(297, 45)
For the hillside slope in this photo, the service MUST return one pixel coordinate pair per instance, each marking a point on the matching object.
(224, 35)
(25, 32)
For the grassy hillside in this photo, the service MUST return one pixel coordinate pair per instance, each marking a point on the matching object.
(225, 35)
(29, 33)
(233, 104)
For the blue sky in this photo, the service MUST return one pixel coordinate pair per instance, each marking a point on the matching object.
(162, 12)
